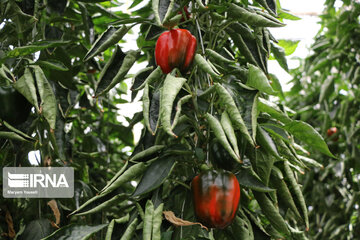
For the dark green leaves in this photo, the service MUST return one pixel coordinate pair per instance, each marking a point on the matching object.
(155, 175)
(115, 70)
(26, 86)
(36, 46)
(37, 229)
(48, 101)
(309, 135)
(251, 17)
(248, 180)
(107, 39)
(279, 55)
(75, 232)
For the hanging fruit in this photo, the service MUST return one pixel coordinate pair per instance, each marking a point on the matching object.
(216, 196)
(175, 49)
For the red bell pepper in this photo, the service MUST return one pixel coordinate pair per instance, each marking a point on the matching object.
(175, 49)
(216, 196)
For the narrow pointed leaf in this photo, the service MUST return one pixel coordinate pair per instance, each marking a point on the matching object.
(47, 96)
(107, 39)
(228, 102)
(36, 46)
(229, 130)
(115, 70)
(248, 180)
(178, 109)
(219, 133)
(251, 17)
(26, 86)
(308, 135)
(257, 79)
(155, 175)
(170, 90)
(279, 54)
(75, 232)
(273, 110)
(271, 213)
(53, 64)
(146, 108)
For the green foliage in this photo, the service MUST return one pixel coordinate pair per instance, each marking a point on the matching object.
(326, 95)
(64, 57)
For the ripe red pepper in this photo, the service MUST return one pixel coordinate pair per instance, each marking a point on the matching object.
(331, 131)
(216, 196)
(175, 49)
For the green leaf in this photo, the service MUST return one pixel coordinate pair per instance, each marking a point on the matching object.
(5, 75)
(155, 8)
(229, 104)
(254, 115)
(37, 229)
(288, 45)
(249, 180)
(170, 90)
(130, 230)
(220, 135)
(257, 79)
(326, 88)
(36, 46)
(266, 142)
(271, 213)
(273, 110)
(48, 100)
(157, 220)
(264, 163)
(276, 85)
(287, 15)
(279, 55)
(107, 39)
(53, 64)
(12, 135)
(26, 86)
(155, 175)
(106, 205)
(306, 133)
(252, 18)
(20, 133)
(148, 220)
(295, 187)
(244, 40)
(115, 70)
(75, 232)
(229, 130)
(130, 174)
(284, 195)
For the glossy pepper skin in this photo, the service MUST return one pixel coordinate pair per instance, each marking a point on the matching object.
(175, 49)
(216, 196)
(14, 108)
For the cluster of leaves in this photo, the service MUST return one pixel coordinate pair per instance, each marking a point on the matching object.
(326, 94)
(218, 114)
(41, 56)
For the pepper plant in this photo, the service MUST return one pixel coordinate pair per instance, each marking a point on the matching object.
(213, 106)
(326, 94)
